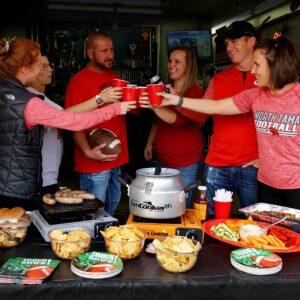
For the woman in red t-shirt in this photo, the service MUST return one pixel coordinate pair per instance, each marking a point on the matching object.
(176, 132)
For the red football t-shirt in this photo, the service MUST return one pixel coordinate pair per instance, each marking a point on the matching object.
(83, 86)
(233, 142)
(180, 144)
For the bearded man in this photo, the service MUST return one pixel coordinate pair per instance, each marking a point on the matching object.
(98, 172)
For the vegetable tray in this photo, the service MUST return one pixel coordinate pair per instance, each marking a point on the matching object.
(214, 222)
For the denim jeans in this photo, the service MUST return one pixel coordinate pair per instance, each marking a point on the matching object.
(105, 186)
(189, 175)
(236, 179)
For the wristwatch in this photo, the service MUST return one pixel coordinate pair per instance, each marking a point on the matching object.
(99, 100)
(180, 101)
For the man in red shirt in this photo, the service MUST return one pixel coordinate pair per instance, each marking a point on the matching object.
(98, 172)
(232, 158)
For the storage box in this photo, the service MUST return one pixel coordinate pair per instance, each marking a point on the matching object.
(270, 213)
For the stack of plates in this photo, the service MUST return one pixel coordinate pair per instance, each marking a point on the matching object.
(256, 261)
(97, 265)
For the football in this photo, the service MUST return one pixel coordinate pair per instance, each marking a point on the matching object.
(102, 267)
(38, 272)
(107, 137)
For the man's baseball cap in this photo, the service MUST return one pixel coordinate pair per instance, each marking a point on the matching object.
(238, 29)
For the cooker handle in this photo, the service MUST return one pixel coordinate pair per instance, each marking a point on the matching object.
(189, 187)
(125, 179)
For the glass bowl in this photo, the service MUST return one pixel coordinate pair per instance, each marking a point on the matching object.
(125, 241)
(12, 231)
(176, 254)
(68, 244)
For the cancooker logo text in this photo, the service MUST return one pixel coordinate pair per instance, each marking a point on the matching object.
(150, 206)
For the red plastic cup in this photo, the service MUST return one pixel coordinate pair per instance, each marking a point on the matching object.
(129, 93)
(152, 90)
(222, 209)
(119, 83)
(140, 91)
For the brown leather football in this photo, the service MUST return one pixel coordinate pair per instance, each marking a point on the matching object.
(105, 136)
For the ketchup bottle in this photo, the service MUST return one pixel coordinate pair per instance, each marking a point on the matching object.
(201, 203)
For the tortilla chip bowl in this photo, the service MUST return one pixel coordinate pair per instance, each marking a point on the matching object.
(68, 244)
(125, 241)
(176, 254)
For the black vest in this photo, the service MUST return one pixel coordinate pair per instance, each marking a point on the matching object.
(20, 147)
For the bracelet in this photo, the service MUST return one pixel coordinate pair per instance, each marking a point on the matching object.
(180, 102)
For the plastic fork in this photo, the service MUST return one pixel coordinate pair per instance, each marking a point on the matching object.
(265, 229)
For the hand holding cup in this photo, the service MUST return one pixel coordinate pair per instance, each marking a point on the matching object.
(111, 95)
(169, 98)
(127, 106)
(153, 90)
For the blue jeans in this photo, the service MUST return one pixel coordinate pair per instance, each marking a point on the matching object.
(189, 175)
(105, 186)
(236, 179)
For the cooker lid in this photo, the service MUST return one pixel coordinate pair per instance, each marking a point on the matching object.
(150, 172)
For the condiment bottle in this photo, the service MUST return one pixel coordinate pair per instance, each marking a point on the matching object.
(201, 203)
(156, 79)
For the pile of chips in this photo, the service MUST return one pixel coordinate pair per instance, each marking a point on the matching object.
(177, 253)
(125, 241)
(67, 245)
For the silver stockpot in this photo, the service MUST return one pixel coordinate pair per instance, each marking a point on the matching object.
(157, 196)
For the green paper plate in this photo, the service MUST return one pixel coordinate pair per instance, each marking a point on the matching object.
(256, 261)
(97, 265)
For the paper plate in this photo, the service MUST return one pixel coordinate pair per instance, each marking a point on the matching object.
(97, 265)
(256, 261)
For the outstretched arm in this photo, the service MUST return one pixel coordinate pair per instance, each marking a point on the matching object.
(166, 114)
(39, 112)
(108, 96)
(220, 107)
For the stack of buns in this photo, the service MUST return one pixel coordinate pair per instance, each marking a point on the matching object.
(16, 212)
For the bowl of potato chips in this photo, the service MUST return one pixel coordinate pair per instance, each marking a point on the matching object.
(125, 241)
(176, 254)
(68, 244)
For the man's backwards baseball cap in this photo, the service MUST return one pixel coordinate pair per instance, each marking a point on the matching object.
(238, 29)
